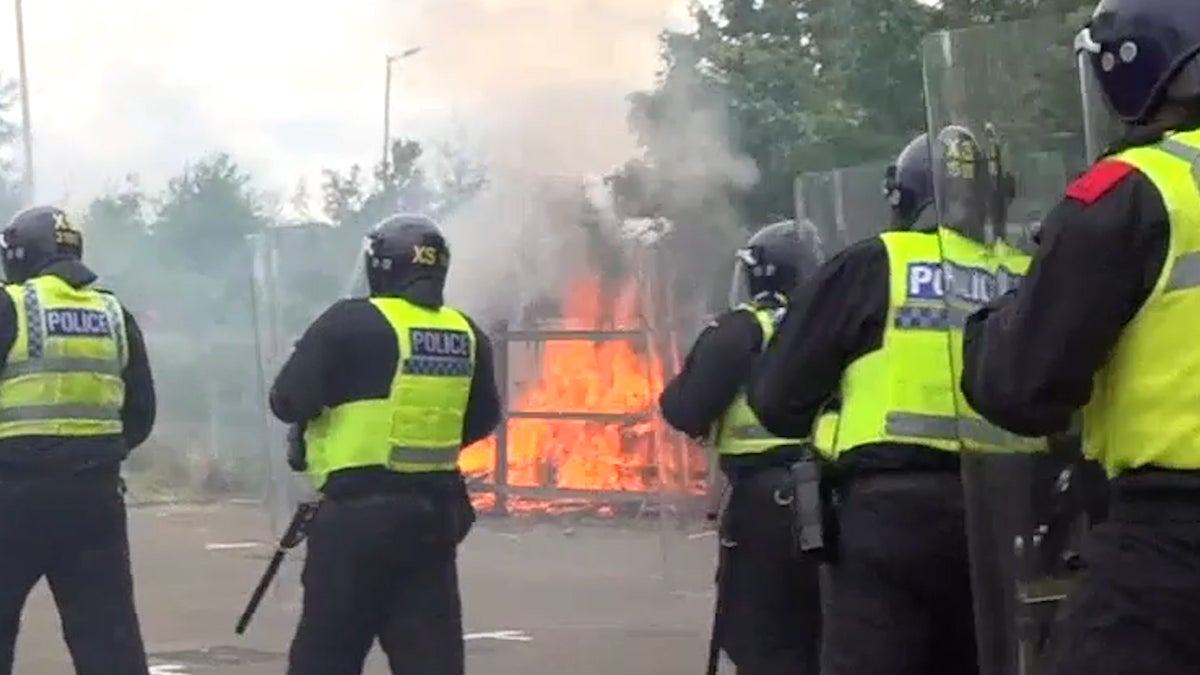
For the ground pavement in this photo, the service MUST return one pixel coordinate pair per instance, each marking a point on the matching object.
(540, 598)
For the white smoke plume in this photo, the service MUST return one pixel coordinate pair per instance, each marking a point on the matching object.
(548, 83)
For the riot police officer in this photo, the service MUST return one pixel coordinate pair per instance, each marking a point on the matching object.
(388, 390)
(76, 395)
(1105, 321)
(769, 616)
(870, 330)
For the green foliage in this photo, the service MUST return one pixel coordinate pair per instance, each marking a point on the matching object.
(807, 85)
(206, 214)
(10, 180)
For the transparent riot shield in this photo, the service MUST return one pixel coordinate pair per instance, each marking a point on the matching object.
(282, 308)
(1004, 163)
(847, 204)
(1101, 126)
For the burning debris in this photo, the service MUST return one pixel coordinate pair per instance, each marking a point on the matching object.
(584, 434)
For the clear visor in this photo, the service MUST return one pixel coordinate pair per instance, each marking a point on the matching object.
(355, 284)
(1101, 127)
(739, 289)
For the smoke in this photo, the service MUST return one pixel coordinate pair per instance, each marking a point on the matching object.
(548, 84)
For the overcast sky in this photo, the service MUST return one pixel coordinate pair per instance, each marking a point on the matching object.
(290, 86)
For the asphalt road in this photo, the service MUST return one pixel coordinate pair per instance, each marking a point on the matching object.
(540, 598)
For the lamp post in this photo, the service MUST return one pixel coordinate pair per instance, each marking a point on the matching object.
(387, 101)
(26, 120)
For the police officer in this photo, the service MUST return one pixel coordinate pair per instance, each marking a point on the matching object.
(769, 617)
(870, 331)
(1106, 321)
(76, 395)
(388, 389)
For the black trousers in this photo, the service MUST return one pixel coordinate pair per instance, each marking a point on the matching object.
(71, 530)
(901, 587)
(1137, 606)
(385, 568)
(769, 619)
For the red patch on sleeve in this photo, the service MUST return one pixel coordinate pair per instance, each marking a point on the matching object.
(1098, 181)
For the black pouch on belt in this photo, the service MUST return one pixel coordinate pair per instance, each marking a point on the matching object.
(808, 513)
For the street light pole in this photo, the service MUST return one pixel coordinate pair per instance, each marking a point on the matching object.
(387, 103)
(26, 120)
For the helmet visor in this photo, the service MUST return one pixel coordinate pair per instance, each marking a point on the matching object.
(739, 289)
(1101, 126)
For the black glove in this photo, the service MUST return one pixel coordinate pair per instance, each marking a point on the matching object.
(297, 453)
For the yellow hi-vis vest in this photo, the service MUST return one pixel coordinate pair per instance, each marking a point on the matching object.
(63, 375)
(1011, 265)
(1145, 404)
(907, 391)
(825, 433)
(418, 427)
(738, 431)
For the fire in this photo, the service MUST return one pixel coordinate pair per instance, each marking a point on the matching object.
(615, 377)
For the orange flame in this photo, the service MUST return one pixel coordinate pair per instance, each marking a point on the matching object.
(618, 376)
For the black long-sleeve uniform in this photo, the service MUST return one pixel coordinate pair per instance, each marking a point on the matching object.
(1029, 362)
(715, 371)
(350, 353)
(396, 533)
(769, 607)
(902, 600)
(71, 527)
(1030, 356)
(834, 319)
(71, 454)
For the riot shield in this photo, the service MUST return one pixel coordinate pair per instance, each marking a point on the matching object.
(1000, 164)
(846, 204)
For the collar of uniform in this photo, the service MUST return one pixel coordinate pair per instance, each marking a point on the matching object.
(415, 295)
(1149, 134)
(73, 272)
(768, 300)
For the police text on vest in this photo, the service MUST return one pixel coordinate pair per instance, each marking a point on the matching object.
(438, 342)
(77, 323)
(928, 281)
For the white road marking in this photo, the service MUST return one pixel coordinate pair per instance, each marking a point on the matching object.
(168, 669)
(503, 635)
(231, 545)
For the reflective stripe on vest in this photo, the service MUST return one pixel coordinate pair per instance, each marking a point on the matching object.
(418, 428)
(739, 432)
(1142, 411)
(71, 345)
(907, 391)
(1185, 268)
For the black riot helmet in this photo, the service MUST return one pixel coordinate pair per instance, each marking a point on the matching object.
(908, 186)
(1143, 53)
(961, 182)
(406, 255)
(775, 260)
(36, 238)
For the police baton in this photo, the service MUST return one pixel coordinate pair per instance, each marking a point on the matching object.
(295, 533)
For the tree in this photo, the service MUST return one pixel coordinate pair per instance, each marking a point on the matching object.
(351, 201)
(457, 178)
(207, 212)
(199, 230)
(118, 244)
(820, 84)
(10, 182)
